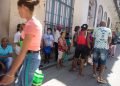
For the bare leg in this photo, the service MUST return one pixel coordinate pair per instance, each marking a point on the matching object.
(102, 68)
(94, 70)
(81, 66)
(100, 77)
(58, 63)
(74, 64)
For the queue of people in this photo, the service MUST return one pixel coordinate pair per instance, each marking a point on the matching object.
(28, 39)
(98, 43)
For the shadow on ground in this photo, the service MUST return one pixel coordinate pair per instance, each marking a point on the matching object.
(62, 77)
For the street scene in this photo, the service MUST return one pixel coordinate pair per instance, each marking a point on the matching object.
(63, 77)
(59, 42)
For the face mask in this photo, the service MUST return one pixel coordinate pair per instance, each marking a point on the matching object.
(48, 32)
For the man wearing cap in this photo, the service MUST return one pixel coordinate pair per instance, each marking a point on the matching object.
(82, 46)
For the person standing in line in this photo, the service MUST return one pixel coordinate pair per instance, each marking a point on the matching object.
(67, 38)
(102, 38)
(29, 55)
(56, 37)
(82, 46)
(62, 48)
(48, 40)
(74, 44)
(17, 39)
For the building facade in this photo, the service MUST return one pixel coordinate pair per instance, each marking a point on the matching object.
(63, 13)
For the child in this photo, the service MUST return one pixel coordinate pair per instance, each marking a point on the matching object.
(62, 47)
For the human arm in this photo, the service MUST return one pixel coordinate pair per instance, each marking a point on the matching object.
(93, 36)
(19, 59)
(17, 39)
(88, 41)
(109, 37)
(52, 39)
(10, 76)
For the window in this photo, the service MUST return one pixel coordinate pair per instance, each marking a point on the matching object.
(100, 15)
(108, 22)
(59, 12)
(105, 16)
(92, 12)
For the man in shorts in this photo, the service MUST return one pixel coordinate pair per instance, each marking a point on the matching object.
(102, 38)
(82, 47)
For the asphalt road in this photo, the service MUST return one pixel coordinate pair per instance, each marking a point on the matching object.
(62, 77)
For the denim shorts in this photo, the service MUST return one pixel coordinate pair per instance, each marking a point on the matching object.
(100, 55)
(30, 64)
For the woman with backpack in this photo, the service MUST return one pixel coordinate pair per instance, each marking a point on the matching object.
(82, 46)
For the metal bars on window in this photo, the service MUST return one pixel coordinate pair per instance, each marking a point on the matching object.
(59, 12)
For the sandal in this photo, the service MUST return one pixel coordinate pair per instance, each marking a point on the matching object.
(102, 81)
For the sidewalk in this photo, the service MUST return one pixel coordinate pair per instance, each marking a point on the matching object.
(62, 77)
(52, 62)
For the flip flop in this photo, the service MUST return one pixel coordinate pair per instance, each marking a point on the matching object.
(102, 81)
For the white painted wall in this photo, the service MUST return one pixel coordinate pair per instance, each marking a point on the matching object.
(80, 12)
(109, 7)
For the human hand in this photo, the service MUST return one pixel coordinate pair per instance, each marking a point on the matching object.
(7, 80)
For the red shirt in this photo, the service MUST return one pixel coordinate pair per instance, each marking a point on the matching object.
(81, 40)
(61, 44)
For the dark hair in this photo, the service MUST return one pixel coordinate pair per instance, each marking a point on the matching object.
(4, 38)
(84, 27)
(76, 28)
(61, 33)
(49, 29)
(102, 23)
(18, 27)
(28, 3)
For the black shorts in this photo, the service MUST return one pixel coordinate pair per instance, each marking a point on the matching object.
(81, 51)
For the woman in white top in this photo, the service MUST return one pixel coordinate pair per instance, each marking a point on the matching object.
(17, 39)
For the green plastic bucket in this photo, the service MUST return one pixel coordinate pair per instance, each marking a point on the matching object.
(21, 43)
(38, 78)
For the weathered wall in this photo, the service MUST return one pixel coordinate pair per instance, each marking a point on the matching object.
(15, 18)
(9, 17)
(4, 18)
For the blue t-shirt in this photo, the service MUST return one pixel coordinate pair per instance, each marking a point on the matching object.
(6, 51)
(48, 39)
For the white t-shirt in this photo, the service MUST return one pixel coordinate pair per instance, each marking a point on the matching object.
(101, 35)
(17, 37)
(56, 36)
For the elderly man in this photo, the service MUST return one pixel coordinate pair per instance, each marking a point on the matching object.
(102, 38)
(6, 53)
